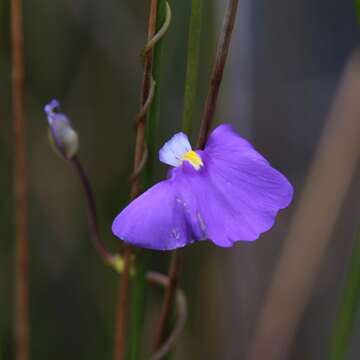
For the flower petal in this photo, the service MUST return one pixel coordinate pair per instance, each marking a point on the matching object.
(247, 191)
(174, 149)
(156, 220)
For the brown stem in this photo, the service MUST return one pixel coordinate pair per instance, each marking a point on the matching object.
(218, 71)
(120, 330)
(170, 291)
(140, 123)
(210, 105)
(20, 185)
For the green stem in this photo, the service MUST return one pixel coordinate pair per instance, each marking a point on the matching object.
(192, 68)
(346, 315)
(139, 285)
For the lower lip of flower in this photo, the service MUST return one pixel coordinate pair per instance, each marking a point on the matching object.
(193, 158)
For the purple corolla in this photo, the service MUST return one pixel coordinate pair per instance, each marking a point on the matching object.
(225, 193)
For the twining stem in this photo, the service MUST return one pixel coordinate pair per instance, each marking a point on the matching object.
(170, 290)
(348, 308)
(20, 185)
(163, 16)
(218, 71)
(192, 67)
(210, 106)
(140, 151)
(140, 124)
(181, 307)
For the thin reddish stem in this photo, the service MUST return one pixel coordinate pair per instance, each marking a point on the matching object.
(170, 291)
(218, 71)
(140, 124)
(120, 333)
(106, 255)
(20, 185)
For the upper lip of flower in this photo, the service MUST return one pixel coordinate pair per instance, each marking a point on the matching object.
(177, 150)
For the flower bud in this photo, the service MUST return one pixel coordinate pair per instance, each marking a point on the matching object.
(61, 133)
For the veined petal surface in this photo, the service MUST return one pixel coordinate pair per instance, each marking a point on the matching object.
(234, 196)
(157, 219)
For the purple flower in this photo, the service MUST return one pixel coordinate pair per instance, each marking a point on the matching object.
(226, 193)
(62, 134)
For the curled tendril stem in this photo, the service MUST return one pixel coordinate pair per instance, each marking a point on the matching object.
(140, 118)
(181, 307)
(148, 97)
(170, 291)
(143, 111)
(141, 165)
(157, 37)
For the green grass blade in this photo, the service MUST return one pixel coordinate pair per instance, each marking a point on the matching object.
(357, 11)
(192, 69)
(138, 303)
(348, 307)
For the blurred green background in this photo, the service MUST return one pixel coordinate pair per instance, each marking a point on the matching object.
(285, 63)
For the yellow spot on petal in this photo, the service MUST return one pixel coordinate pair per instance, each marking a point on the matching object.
(193, 158)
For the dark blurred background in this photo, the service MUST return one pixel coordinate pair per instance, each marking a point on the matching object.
(284, 68)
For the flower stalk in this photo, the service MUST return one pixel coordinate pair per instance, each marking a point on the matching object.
(210, 106)
(22, 326)
(65, 142)
(105, 254)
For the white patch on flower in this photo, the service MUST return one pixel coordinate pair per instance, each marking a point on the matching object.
(175, 233)
(201, 223)
(177, 150)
